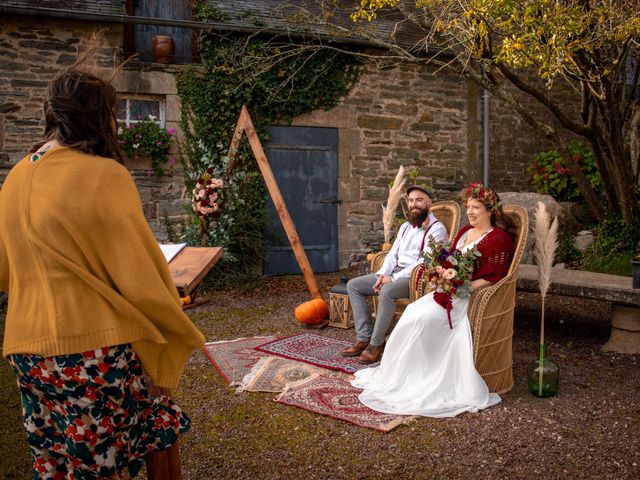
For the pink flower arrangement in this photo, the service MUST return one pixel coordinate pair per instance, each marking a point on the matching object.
(146, 139)
(448, 272)
(207, 199)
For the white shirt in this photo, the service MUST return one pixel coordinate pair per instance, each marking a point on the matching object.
(405, 251)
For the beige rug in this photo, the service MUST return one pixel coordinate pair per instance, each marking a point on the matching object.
(272, 374)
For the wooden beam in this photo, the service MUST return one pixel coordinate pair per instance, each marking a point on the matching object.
(237, 138)
(245, 125)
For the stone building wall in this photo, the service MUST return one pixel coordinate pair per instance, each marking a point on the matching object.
(395, 116)
(35, 49)
(402, 115)
(408, 116)
(512, 144)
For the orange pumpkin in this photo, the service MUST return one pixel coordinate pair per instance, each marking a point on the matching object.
(312, 312)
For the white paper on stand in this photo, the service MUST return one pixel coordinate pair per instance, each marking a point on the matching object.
(170, 251)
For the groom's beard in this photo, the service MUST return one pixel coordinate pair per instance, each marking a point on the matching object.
(417, 216)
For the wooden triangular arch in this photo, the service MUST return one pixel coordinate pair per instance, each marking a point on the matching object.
(245, 126)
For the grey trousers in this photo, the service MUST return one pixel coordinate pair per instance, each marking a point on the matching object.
(359, 289)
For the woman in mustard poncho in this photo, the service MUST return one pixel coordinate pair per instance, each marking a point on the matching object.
(91, 299)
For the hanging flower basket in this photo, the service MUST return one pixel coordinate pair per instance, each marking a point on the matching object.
(147, 145)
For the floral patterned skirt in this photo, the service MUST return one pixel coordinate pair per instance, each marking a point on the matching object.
(89, 415)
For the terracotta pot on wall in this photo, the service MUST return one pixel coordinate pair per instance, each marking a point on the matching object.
(163, 48)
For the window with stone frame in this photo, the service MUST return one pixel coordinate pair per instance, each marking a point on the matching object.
(134, 108)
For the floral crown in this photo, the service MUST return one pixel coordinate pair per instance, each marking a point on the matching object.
(485, 195)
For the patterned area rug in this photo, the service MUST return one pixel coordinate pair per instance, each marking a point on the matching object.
(316, 350)
(235, 358)
(272, 374)
(336, 398)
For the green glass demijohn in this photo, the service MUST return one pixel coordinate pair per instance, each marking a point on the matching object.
(543, 375)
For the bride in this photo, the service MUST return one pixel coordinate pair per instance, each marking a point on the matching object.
(427, 367)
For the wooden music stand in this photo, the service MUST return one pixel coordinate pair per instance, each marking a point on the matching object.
(189, 267)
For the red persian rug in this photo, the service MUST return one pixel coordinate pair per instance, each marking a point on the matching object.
(336, 398)
(235, 358)
(316, 350)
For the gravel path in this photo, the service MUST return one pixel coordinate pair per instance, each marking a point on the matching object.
(591, 429)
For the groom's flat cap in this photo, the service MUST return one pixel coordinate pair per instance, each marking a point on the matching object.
(422, 188)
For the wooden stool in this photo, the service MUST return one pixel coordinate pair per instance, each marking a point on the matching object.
(340, 314)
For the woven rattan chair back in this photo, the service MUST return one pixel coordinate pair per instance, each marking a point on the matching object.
(448, 212)
(491, 312)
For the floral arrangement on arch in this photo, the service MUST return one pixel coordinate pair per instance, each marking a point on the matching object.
(448, 271)
(207, 199)
(147, 139)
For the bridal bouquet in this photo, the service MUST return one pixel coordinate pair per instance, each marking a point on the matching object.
(448, 272)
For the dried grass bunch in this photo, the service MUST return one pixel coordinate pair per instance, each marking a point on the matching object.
(544, 251)
(396, 192)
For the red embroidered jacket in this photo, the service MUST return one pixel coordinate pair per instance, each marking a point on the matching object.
(496, 249)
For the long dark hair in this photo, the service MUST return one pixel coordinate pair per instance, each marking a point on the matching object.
(79, 112)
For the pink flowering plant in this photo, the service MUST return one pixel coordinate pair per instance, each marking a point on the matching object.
(549, 173)
(448, 272)
(207, 200)
(148, 140)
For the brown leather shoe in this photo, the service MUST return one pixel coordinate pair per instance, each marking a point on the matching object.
(355, 349)
(371, 355)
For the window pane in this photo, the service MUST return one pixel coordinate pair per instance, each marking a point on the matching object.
(139, 109)
(122, 110)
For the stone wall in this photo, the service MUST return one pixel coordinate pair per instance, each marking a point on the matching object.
(35, 49)
(412, 117)
(402, 115)
(512, 144)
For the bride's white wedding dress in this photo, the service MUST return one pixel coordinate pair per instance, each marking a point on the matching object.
(427, 368)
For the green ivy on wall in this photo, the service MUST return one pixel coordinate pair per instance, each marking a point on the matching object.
(277, 81)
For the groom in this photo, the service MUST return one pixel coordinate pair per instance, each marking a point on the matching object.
(391, 282)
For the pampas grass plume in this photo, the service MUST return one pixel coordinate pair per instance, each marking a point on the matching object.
(396, 191)
(544, 251)
(546, 243)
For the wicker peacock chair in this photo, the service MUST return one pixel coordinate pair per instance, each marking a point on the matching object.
(491, 316)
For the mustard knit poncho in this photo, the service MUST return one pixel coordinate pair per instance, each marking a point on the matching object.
(83, 269)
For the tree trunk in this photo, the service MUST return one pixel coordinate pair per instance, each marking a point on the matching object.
(584, 186)
(623, 184)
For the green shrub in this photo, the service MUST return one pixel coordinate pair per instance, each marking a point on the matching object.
(549, 174)
(613, 248)
(147, 139)
(567, 252)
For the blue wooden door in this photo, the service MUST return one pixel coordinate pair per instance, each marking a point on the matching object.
(304, 161)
